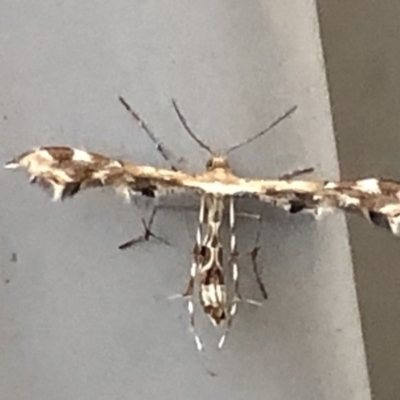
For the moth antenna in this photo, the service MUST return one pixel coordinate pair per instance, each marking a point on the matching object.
(263, 132)
(183, 121)
(159, 146)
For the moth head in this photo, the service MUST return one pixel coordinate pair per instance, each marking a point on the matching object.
(217, 162)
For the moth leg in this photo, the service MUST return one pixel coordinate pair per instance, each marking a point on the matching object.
(142, 124)
(188, 293)
(232, 313)
(296, 173)
(253, 255)
(235, 273)
(147, 226)
(178, 208)
(146, 235)
(197, 339)
(233, 250)
(198, 251)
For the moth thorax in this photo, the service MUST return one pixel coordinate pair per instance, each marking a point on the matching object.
(217, 162)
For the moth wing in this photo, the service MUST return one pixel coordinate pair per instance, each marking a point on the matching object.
(66, 171)
(376, 200)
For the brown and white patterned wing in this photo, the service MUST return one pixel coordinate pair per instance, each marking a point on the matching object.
(67, 171)
(377, 200)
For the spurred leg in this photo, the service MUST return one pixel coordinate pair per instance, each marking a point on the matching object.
(146, 235)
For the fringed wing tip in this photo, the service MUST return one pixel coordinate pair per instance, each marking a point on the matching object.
(13, 164)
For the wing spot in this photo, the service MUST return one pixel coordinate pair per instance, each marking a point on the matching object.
(370, 185)
(330, 185)
(81, 155)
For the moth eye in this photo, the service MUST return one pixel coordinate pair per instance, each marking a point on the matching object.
(209, 164)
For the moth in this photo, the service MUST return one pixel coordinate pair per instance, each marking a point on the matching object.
(67, 171)
(208, 255)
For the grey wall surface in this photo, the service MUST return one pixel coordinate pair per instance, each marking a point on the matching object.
(80, 319)
(361, 42)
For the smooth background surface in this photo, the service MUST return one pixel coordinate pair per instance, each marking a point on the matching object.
(82, 320)
(362, 49)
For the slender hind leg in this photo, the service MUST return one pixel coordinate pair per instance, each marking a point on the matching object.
(188, 293)
(196, 264)
(253, 254)
(235, 273)
(235, 270)
(233, 250)
(146, 235)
